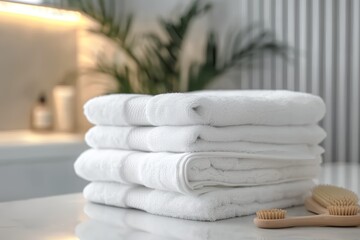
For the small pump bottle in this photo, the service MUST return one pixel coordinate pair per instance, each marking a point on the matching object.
(42, 119)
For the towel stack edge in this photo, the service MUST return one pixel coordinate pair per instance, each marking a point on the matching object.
(167, 153)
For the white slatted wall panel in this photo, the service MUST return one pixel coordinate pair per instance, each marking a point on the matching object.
(326, 34)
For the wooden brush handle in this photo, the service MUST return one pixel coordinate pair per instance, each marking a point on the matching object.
(316, 221)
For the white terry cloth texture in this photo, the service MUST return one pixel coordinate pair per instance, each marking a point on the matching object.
(215, 108)
(192, 173)
(200, 137)
(212, 206)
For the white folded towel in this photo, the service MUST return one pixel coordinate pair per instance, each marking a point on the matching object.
(192, 173)
(216, 108)
(200, 137)
(210, 206)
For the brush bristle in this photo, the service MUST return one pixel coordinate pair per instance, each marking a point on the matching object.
(343, 210)
(327, 195)
(271, 214)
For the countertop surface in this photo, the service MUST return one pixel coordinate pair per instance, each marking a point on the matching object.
(22, 145)
(69, 217)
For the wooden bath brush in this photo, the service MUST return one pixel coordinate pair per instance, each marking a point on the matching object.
(336, 206)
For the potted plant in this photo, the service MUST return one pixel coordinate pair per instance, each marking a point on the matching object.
(157, 66)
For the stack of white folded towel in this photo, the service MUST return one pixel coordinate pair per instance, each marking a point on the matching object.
(203, 155)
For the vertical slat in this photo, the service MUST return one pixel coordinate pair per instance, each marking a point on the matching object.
(279, 36)
(358, 103)
(250, 17)
(297, 46)
(354, 88)
(340, 80)
(309, 49)
(291, 32)
(314, 54)
(326, 35)
(354, 115)
(321, 58)
(335, 36)
(245, 80)
(349, 80)
(273, 58)
(267, 16)
(233, 7)
(262, 55)
(302, 41)
(322, 78)
(255, 73)
(328, 55)
(285, 39)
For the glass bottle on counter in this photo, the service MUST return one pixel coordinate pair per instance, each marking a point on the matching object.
(41, 117)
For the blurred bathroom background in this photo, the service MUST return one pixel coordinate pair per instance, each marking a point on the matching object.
(48, 53)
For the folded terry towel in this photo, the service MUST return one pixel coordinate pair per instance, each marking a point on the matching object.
(216, 108)
(200, 137)
(221, 204)
(192, 173)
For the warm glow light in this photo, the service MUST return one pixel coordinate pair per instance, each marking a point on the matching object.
(39, 12)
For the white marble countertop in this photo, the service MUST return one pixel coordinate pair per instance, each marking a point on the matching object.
(63, 217)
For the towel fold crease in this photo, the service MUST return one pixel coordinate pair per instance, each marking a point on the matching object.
(192, 173)
(202, 138)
